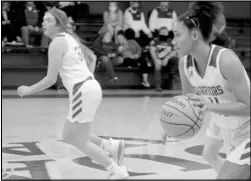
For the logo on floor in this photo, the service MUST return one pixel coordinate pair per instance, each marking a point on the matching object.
(29, 160)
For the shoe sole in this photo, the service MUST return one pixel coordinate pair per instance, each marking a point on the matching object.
(120, 153)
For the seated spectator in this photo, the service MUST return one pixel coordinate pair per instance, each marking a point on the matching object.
(106, 51)
(222, 39)
(135, 19)
(162, 16)
(70, 9)
(131, 52)
(50, 4)
(113, 19)
(29, 19)
(163, 55)
(9, 32)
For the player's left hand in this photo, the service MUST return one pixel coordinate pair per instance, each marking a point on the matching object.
(23, 91)
(198, 101)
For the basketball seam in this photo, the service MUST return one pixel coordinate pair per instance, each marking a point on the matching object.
(195, 122)
(191, 127)
(175, 123)
(198, 117)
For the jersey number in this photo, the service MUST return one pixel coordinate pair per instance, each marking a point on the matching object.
(214, 100)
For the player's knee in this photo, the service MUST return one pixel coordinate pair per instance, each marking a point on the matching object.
(77, 140)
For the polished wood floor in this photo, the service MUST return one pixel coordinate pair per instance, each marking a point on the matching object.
(32, 146)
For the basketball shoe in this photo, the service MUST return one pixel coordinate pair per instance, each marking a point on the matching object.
(117, 150)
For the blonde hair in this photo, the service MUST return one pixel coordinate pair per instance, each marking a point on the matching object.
(62, 21)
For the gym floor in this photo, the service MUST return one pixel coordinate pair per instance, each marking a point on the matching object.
(32, 146)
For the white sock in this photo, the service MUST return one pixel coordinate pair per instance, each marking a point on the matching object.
(113, 167)
(105, 145)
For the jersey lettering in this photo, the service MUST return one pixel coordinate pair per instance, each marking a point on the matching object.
(79, 53)
(209, 90)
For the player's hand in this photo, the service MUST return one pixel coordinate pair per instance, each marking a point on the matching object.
(198, 101)
(23, 91)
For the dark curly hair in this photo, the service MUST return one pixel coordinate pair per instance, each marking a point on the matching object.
(202, 15)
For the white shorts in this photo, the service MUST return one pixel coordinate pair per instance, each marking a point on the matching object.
(84, 101)
(238, 139)
(230, 137)
(241, 154)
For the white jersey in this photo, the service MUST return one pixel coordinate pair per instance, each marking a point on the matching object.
(74, 68)
(214, 87)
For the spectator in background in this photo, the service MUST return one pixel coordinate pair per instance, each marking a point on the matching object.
(29, 19)
(219, 36)
(50, 4)
(162, 53)
(162, 16)
(9, 32)
(70, 9)
(135, 19)
(106, 51)
(131, 52)
(113, 19)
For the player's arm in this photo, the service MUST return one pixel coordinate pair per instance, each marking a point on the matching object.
(57, 49)
(233, 71)
(186, 85)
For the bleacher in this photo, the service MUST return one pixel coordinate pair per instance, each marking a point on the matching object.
(20, 67)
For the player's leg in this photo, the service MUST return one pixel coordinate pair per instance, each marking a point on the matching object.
(237, 164)
(212, 147)
(114, 147)
(77, 131)
(78, 135)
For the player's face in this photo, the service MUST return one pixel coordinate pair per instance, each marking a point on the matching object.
(182, 40)
(50, 25)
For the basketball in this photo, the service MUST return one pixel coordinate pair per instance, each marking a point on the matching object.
(180, 119)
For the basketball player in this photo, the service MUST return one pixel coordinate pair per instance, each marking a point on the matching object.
(75, 63)
(221, 83)
(213, 144)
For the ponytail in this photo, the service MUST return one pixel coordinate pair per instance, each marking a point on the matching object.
(88, 54)
(62, 20)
